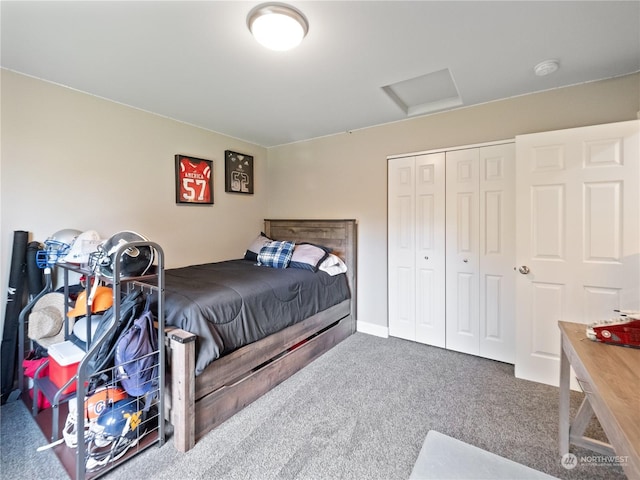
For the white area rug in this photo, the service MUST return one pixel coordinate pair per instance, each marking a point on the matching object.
(443, 457)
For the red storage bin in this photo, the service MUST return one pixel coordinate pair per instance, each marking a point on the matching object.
(64, 359)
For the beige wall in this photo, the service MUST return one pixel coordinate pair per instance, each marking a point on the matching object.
(70, 160)
(345, 176)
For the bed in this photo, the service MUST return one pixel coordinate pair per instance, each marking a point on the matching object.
(212, 376)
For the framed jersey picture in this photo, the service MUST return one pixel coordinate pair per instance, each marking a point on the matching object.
(238, 172)
(194, 180)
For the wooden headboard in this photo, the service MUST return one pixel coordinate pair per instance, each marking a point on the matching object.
(339, 235)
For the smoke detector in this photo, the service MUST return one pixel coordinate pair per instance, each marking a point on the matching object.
(546, 68)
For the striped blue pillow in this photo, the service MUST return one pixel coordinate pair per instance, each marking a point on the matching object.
(276, 254)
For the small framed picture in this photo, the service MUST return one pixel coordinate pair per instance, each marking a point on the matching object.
(194, 180)
(238, 172)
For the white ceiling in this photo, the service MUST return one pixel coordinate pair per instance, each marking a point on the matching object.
(196, 61)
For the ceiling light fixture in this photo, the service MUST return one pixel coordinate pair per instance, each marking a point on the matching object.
(277, 26)
(546, 68)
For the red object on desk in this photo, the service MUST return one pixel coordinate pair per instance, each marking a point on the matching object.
(623, 333)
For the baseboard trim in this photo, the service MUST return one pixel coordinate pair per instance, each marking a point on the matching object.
(372, 329)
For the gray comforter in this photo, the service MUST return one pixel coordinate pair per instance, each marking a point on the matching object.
(233, 303)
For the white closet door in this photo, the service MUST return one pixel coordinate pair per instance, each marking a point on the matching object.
(463, 261)
(497, 252)
(401, 245)
(578, 240)
(430, 249)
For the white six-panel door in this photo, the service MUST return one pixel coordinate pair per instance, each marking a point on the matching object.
(416, 248)
(463, 259)
(497, 252)
(480, 219)
(401, 248)
(578, 240)
(430, 249)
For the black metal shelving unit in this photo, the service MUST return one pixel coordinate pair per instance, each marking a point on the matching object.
(74, 459)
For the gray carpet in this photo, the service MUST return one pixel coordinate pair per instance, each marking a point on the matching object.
(361, 411)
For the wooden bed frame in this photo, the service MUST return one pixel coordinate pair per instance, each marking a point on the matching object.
(196, 405)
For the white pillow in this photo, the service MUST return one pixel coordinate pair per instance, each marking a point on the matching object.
(333, 265)
(307, 256)
(255, 247)
(258, 243)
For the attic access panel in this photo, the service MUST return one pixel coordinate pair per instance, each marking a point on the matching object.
(425, 94)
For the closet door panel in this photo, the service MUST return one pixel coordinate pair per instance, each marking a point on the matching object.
(401, 253)
(430, 249)
(462, 259)
(497, 252)
(451, 249)
(403, 324)
(492, 327)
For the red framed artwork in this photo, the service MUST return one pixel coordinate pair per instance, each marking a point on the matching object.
(194, 180)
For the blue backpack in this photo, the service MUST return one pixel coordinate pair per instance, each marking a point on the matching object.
(136, 357)
(130, 307)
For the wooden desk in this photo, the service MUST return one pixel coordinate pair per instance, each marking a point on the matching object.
(610, 378)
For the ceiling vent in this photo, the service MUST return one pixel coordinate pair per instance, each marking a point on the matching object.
(425, 94)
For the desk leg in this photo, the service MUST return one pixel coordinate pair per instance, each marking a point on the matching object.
(564, 403)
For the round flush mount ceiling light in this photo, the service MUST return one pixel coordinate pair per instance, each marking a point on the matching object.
(546, 68)
(277, 26)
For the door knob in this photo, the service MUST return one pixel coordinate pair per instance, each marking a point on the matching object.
(524, 269)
